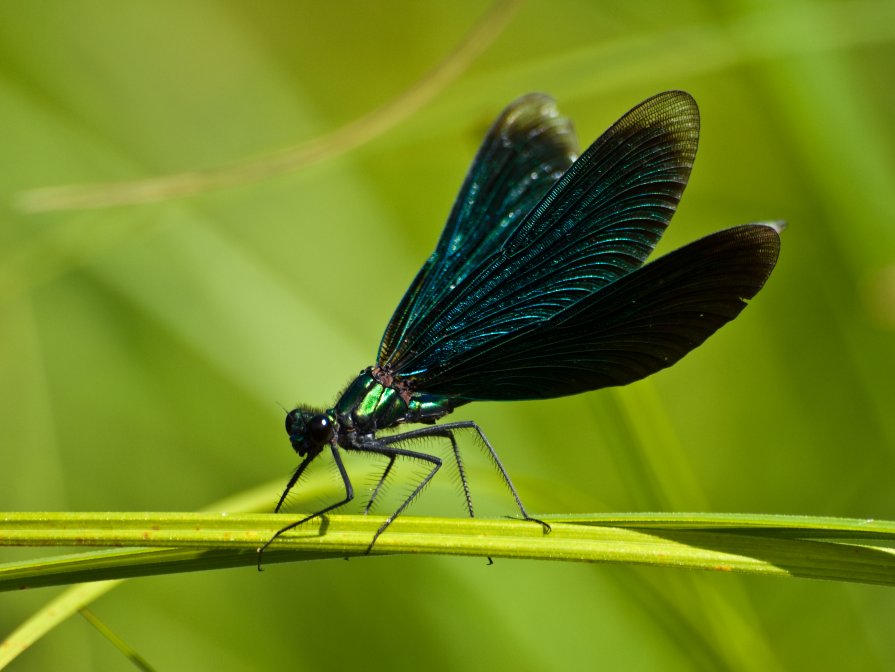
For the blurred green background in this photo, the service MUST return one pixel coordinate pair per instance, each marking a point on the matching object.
(145, 348)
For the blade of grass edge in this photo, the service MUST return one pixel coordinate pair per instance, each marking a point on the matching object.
(75, 598)
(839, 549)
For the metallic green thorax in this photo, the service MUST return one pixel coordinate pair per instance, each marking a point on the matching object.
(374, 401)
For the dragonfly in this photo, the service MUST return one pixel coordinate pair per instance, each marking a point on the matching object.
(538, 288)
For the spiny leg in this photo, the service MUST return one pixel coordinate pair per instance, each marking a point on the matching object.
(440, 431)
(349, 495)
(469, 424)
(294, 479)
(433, 431)
(388, 468)
(381, 447)
(462, 471)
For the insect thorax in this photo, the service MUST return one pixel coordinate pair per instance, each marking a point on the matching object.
(374, 401)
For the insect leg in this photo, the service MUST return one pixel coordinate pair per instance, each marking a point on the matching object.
(381, 447)
(469, 424)
(461, 470)
(349, 495)
(388, 469)
(441, 431)
(292, 481)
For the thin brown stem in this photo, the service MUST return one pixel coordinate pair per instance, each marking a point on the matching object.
(336, 142)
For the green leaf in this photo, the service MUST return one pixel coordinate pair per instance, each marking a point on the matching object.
(146, 544)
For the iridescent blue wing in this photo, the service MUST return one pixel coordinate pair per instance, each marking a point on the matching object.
(639, 324)
(596, 224)
(527, 149)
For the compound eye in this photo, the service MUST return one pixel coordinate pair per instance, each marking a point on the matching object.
(320, 429)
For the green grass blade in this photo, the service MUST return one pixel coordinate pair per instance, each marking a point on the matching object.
(126, 649)
(840, 549)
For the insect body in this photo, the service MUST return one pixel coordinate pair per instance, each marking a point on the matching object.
(537, 287)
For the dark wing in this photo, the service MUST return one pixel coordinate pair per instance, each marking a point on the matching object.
(527, 149)
(596, 224)
(641, 323)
